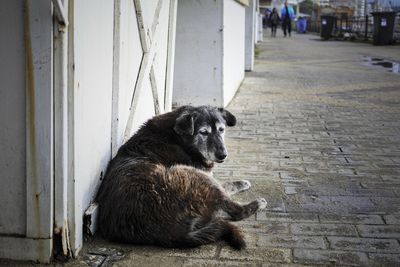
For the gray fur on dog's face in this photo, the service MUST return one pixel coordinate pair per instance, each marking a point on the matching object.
(203, 129)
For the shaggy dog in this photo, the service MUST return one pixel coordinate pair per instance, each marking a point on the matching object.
(158, 189)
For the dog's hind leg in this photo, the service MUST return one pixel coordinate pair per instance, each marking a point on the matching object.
(239, 212)
(215, 230)
(235, 187)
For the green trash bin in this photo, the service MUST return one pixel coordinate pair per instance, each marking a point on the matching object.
(327, 23)
(383, 27)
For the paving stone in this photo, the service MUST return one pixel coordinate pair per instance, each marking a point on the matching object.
(271, 264)
(330, 204)
(385, 259)
(392, 219)
(218, 263)
(266, 227)
(330, 257)
(150, 261)
(364, 244)
(387, 204)
(353, 219)
(323, 229)
(259, 254)
(206, 252)
(287, 217)
(379, 231)
(291, 241)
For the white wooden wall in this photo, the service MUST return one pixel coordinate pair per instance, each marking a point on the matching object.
(92, 58)
(250, 35)
(210, 37)
(120, 79)
(233, 48)
(12, 137)
(198, 61)
(26, 138)
(110, 69)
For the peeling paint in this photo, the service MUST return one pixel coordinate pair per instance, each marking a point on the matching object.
(61, 244)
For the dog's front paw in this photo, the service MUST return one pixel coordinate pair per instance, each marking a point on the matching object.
(262, 204)
(244, 185)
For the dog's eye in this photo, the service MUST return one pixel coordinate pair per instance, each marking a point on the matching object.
(221, 129)
(203, 132)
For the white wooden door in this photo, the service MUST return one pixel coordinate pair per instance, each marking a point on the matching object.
(26, 116)
(119, 63)
(108, 70)
(143, 64)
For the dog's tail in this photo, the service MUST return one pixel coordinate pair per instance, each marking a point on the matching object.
(213, 231)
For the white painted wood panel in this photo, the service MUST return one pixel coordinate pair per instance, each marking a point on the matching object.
(112, 85)
(145, 106)
(27, 249)
(128, 60)
(26, 107)
(39, 119)
(93, 68)
(160, 61)
(148, 12)
(250, 35)
(169, 79)
(209, 58)
(233, 55)
(198, 57)
(13, 132)
(154, 53)
(95, 107)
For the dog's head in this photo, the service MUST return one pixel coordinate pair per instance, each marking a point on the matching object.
(202, 129)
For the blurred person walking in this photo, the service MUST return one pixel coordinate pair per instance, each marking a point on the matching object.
(287, 14)
(274, 21)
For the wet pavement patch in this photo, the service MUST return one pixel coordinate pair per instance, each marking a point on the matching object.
(389, 65)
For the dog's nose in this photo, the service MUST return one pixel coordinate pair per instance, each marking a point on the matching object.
(221, 156)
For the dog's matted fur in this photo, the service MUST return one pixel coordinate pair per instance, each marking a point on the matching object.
(158, 189)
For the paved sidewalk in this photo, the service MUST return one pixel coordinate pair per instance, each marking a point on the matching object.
(318, 136)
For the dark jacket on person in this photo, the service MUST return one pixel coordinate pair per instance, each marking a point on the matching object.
(274, 18)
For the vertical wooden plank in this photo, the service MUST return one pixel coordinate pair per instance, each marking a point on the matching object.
(61, 176)
(128, 56)
(71, 210)
(169, 81)
(93, 23)
(116, 89)
(39, 118)
(249, 36)
(12, 119)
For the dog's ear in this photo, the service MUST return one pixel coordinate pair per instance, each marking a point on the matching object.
(184, 124)
(228, 117)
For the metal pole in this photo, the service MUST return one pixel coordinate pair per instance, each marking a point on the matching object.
(366, 28)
